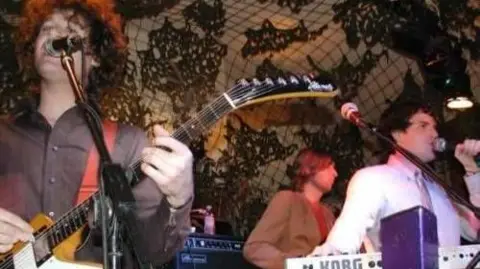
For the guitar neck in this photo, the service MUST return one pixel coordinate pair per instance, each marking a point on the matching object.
(190, 130)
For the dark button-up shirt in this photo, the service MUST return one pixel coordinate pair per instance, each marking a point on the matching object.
(41, 169)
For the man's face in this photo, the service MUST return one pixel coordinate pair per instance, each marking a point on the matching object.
(61, 23)
(418, 138)
(325, 178)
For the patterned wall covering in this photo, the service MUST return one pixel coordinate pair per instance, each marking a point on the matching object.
(185, 53)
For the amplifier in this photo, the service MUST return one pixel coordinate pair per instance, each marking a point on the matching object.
(203, 251)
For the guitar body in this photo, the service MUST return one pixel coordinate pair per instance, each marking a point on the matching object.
(63, 254)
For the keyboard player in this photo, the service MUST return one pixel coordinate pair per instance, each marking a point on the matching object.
(295, 222)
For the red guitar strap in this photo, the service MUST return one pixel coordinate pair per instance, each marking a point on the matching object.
(90, 177)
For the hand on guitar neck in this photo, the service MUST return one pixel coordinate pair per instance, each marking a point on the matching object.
(13, 229)
(169, 164)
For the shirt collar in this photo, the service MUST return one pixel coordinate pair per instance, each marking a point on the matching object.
(400, 164)
(32, 117)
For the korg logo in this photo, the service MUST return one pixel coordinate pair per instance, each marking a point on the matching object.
(341, 264)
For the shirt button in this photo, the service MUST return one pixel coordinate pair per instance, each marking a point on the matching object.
(52, 180)
(51, 214)
(54, 148)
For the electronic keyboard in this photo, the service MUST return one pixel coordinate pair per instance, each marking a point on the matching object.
(449, 258)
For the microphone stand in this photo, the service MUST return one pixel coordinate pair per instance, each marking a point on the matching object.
(113, 183)
(430, 172)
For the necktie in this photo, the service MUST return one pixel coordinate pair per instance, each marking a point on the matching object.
(422, 188)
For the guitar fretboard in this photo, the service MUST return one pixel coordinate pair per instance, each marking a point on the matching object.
(190, 130)
(197, 125)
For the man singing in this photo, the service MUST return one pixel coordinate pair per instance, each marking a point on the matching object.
(379, 191)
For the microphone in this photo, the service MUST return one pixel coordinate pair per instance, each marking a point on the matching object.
(441, 145)
(69, 44)
(349, 111)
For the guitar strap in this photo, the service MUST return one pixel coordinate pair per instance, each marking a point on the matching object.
(90, 177)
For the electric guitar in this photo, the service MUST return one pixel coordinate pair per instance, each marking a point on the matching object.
(63, 237)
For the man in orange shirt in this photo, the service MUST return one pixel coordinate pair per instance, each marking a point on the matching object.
(295, 222)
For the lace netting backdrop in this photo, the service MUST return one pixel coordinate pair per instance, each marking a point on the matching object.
(184, 54)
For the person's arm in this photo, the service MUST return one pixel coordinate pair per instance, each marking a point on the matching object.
(473, 186)
(13, 229)
(261, 246)
(365, 198)
(163, 228)
(163, 225)
(470, 224)
(465, 154)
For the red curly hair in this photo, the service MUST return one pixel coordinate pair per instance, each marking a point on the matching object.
(307, 163)
(107, 41)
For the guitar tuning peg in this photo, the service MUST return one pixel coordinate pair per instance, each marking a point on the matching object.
(294, 80)
(281, 81)
(243, 82)
(268, 81)
(307, 79)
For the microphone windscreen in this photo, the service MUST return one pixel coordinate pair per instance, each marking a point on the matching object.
(347, 109)
(440, 144)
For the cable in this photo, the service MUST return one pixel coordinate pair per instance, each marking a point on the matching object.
(189, 250)
(474, 261)
(96, 119)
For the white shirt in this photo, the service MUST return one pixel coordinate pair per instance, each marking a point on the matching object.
(379, 191)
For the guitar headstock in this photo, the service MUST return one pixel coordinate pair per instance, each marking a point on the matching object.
(252, 91)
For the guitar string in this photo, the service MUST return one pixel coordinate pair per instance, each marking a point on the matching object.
(236, 92)
(23, 259)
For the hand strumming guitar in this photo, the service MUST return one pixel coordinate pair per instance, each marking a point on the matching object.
(13, 229)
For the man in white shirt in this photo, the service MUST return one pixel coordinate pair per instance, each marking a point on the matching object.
(379, 191)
